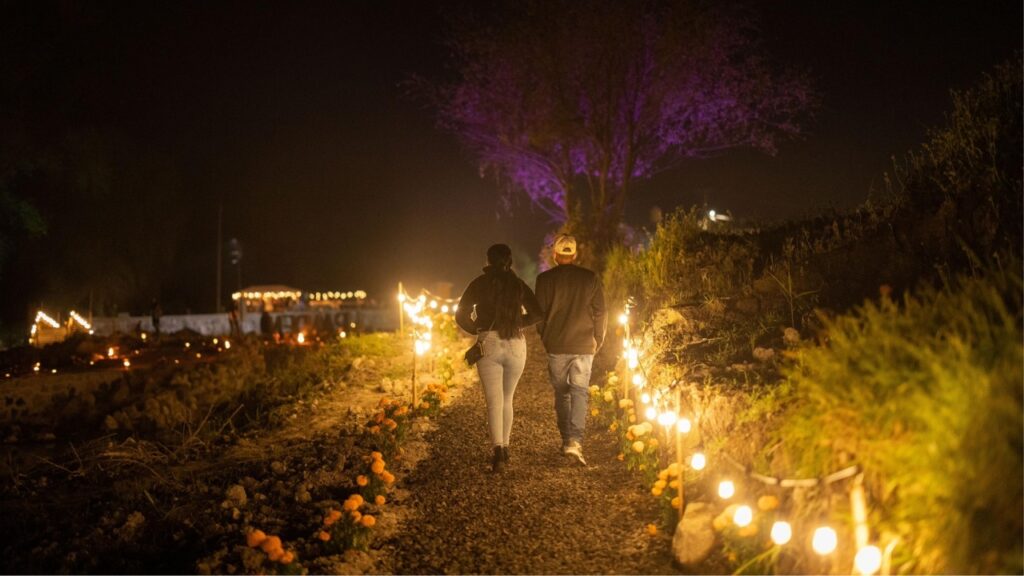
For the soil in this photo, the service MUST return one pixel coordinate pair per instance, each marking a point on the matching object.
(117, 504)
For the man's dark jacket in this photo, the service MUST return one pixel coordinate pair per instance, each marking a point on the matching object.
(574, 317)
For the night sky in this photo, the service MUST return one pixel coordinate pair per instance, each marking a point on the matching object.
(292, 116)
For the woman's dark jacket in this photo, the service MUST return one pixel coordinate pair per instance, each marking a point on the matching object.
(481, 296)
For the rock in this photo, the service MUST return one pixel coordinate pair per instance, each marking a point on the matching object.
(694, 537)
(236, 496)
(278, 467)
(791, 336)
(764, 354)
(131, 526)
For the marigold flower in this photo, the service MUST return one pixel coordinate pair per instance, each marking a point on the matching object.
(594, 411)
(368, 521)
(270, 544)
(673, 469)
(379, 500)
(620, 457)
(356, 515)
(660, 484)
(674, 484)
(652, 529)
(288, 557)
(638, 446)
(379, 417)
(614, 426)
(275, 555)
(656, 491)
(653, 442)
(374, 429)
(391, 424)
(632, 418)
(629, 435)
(376, 455)
(377, 467)
(333, 514)
(402, 411)
(388, 477)
(424, 406)
(323, 535)
(362, 480)
(625, 403)
(676, 501)
(767, 502)
(255, 538)
(663, 475)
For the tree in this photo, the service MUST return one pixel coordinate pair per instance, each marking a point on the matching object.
(573, 103)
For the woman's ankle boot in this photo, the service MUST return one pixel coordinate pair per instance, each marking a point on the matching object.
(504, 454)
(497, 461)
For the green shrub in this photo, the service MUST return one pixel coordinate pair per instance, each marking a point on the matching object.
(926, 397)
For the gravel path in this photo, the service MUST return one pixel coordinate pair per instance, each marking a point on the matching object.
(543, 515)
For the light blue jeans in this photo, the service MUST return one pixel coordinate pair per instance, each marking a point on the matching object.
(500, 368)
(570, 377)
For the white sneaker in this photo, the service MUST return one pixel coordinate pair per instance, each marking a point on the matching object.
(576, 451)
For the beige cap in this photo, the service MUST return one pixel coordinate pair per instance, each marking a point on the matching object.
(565, 245)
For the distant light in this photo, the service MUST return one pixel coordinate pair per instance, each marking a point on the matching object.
(623, 319)
(782, 532)
(54, 371)
(127, 363)
(743, 516)
(401, 297)
(143, 336)
(444, 309)
(227, 345)
(110, 352)
(651, 413)
(639, 380)
(868, 560)
(726, 489)
(188, 344)
(711, 215)
(433, 304)
(301, 338)
(645, 398)
(667, 419)
(215, 341)
(824, 541)
(684, 425)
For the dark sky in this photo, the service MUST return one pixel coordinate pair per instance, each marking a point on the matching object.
(291, 115)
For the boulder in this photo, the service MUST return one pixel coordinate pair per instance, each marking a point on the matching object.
(694, 537)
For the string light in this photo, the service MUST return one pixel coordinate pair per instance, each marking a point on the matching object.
(623, 319)
(698, 461)
(639, 380)
(110, 352)
(645, 398)
(667, 419)
(127, 363)
(868, 560)
(74, 315)
(227, 345)
(782, 532)
(726, 489)
(824, 540)
(684, 425)
(743, 516)
(651, 413)
(43, 317)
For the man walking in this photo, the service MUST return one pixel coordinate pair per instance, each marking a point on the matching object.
(573, 329)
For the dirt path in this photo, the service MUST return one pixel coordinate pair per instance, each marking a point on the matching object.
(542, 515)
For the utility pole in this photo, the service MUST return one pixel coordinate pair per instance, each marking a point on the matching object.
(220, 250)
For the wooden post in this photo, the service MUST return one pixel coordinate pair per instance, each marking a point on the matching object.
(679, 454)
(415, 391)
(401, 313)
(859, 509)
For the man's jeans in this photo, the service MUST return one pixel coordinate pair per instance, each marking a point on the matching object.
(570, 377)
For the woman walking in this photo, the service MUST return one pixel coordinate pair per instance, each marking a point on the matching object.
(496, 306)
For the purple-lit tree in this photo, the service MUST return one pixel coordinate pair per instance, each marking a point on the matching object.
(572, 103)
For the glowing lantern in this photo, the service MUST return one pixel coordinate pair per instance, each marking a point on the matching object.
(698, 461)
(782, 532)
(824, 540)
(684, 425)
(667, 419)
(868, 560)
(743, 516)
(302, 338)
(726, 489)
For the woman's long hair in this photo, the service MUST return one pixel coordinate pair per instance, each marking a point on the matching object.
(508, 292)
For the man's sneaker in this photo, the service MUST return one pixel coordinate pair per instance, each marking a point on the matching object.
(575, 451)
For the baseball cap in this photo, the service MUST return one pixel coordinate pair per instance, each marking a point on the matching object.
(565, 245)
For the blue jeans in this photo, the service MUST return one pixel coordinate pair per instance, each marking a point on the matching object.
(500, 368)
(570, 377)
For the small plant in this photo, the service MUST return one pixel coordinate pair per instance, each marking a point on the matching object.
(270, 555)
(348, 528)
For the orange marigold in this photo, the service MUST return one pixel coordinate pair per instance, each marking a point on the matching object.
(652, 529)
(379, 500)
(374, 429)
(288, 557)
(356, 515)
(620, 457)
(368, 521)
(377, 467)
(675, 502)
(376, 455)
(271, 544)
(388, 477)
(362, 480)
(255, 538)
(275, 555)
(333, 515)
(323, 535)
